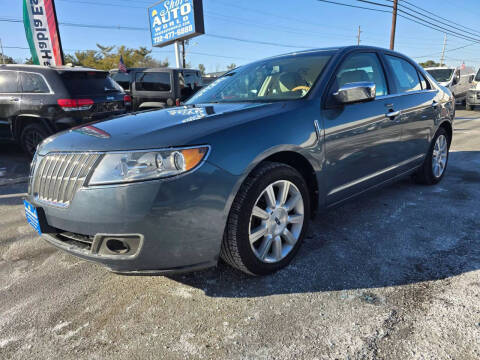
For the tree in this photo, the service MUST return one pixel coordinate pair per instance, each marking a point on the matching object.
(429, 63)
(231, 66)
(5, 59)
(201, 67)
(108, 57)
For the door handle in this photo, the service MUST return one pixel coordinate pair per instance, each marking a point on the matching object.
(393, 114)
(13, 98)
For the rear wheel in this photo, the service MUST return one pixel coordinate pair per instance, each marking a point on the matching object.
(268, 220)
(435, 164)
(31, 136)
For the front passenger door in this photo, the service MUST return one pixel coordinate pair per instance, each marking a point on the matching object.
(361, 139)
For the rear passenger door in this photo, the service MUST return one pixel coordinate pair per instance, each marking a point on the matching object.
(361, 139)
(9, 101)
(35, 92)
(415, 98)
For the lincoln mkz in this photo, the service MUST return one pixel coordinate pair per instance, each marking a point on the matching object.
(238, 171)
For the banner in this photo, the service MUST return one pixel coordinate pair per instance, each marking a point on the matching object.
(41, 28)
(175, 20)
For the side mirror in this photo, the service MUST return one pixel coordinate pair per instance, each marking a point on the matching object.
(455, 80)
(470, 78)
(355, 92)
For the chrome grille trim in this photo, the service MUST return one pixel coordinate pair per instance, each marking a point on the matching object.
(58, 177)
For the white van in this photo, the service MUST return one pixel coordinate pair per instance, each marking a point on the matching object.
(473, 94)
(459, 80)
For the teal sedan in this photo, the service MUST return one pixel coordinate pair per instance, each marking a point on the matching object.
(237, 172)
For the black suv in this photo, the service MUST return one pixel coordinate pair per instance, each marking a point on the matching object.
(37, 101)
(158, 87)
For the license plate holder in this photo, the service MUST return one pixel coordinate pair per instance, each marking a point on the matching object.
(33, 219)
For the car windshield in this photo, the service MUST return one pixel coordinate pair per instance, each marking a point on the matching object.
(283, 78)
(477, 77)
(441, 75)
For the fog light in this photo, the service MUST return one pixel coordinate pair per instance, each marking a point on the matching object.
(117, 246)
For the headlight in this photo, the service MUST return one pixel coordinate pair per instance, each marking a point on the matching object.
(146, 165)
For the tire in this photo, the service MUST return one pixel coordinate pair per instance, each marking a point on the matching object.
(426, 174)
(284, 224)
(468, 107)
(31, 136)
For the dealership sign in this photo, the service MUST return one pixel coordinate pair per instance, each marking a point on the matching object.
(175, 20)
(41, 28)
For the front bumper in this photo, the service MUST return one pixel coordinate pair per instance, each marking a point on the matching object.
(473, 97)
(180, 221)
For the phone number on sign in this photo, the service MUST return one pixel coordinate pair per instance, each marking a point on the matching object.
(171, 34)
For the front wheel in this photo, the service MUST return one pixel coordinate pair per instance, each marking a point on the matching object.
(31, 136)
(435, 164)
(267, 221)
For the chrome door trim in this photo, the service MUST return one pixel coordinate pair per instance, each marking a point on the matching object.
(375, 174)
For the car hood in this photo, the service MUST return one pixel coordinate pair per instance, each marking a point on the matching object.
(170, 127)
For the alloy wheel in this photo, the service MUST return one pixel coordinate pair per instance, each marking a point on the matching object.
(276, 221)
(439, 156)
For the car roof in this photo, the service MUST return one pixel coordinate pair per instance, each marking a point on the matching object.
(43, 69)
(158, 69)
(440, 68)
(338, 50)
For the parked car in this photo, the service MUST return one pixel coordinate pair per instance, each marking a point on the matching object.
(239, 171)
(458, 80)
(158, 88)
(473, 94)
(37, 101)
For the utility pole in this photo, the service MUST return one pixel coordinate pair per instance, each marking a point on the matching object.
(358, 36)
(183, 54)
(177, 55)
(442, 59)
(394, 24)
(1, 48)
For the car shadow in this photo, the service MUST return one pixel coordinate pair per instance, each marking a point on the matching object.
(404, 233)
(14, 164)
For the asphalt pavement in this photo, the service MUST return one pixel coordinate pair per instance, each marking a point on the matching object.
(391, 275)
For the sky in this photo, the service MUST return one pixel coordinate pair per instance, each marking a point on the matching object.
(289, 24)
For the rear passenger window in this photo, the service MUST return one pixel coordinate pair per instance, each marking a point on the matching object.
(33, 83)
(8, 82)
(405, 75)
(363, 67)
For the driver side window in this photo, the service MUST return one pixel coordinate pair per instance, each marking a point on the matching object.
(362, 67)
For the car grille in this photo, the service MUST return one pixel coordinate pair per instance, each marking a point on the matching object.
(58, 176)
(83, 242)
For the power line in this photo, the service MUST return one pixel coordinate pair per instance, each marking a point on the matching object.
(476, 33)
(96, 26)
(447, 50)
(353, 6)
(406, 16)
(438, 16)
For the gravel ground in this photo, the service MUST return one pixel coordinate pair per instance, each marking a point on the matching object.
(395, 275)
